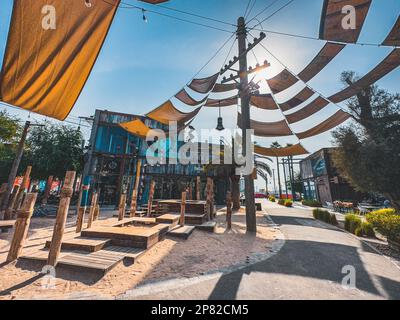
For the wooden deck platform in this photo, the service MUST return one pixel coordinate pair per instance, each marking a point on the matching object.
(181, 232)
(135, 220)
(137, 237)
(208, 226)
(83, 244)
(5, 225)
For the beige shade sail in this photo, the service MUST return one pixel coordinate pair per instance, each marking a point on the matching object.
(204, 85)
(225, 87)
(285, 79)
(167, 112)
(297, 100)
(282, 81)
(326, 55)
(295, 150)
(51, 50)
(332, 122)
(391, 62)
(318, 104)
(331, 27)
(393, 39)
(264, 101)
(232, 101)
(268, 129)
(184, 97)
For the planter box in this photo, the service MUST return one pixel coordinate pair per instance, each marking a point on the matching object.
(394, 244)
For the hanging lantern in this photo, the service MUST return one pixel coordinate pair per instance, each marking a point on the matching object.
(220, 124)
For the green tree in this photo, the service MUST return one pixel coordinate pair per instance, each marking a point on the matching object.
(10, 131)
(369, 152)
(53, 150)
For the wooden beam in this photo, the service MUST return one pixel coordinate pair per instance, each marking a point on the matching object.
(229, 210)
(151, 196)
(132, 211)
(23, 188)
(61, 219)
(80, 212)
(21, 226)
(8, 215)
(122, 207)
(183, 209)
(91, 210)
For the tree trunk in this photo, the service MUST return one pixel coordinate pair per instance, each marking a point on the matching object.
(235, 180)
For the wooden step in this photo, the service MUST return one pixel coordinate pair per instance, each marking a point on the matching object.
(171, 219)
(100, 262)
(181, 232)
(128, 254)
(208, 226)
(83, 244)
(135, 220)
(138, 237)
(5, 225)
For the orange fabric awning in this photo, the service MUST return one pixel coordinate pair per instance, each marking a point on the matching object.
(136, 127)
(317, 105)
(295, 150)
(337, 119)
(263, 101)
(167, 112)
(331, 20)
(391, 62)
(298, 99)
(48, 61)
(268, 129)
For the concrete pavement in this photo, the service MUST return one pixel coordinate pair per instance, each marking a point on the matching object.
(308, 266)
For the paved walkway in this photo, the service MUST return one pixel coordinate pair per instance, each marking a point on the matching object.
(308, 266)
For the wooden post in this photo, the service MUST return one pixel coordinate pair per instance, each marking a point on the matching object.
(61, 219)
(122, 207)
(91, 210)
(183, 209)
(132, 211)
(8, 215)
(235, 181)
(198, 188)
(190, 191)
(21, 226)
(229, 210)
(80, 212)
(47, 191)
(23, 188)
(96, 211)
(151, 195)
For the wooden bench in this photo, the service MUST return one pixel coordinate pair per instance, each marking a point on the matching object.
(5, 225)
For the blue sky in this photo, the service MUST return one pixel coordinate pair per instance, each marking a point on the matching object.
(144, 64)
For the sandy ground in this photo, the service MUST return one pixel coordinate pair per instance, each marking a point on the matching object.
(169, 258)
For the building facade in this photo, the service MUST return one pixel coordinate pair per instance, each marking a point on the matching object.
(112, 157)
(322, 182)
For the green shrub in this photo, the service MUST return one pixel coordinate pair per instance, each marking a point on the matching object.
(288, 203)
(358, 232)
(367, 229)
(322, 215)
(387, 222)
(352, 222)
(333, 219)
(311, 203)
(281, 202)
(272, 199)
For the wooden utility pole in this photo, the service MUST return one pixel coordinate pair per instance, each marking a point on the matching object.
(61, 219)
(21, 226)
(132, 211)
(183, 209)
(122, 207)
(15, 166)
(92, 209)
(47, 191)
(24, 187)
(151, 196)
(251, 222)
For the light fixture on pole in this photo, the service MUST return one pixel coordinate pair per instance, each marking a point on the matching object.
(144, 16)
(220, 125)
